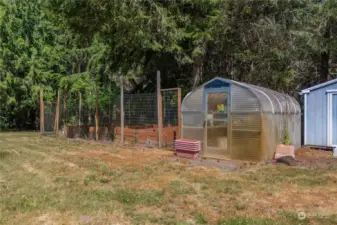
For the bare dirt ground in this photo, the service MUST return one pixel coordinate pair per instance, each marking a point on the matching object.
(50, 181)
(310, 157)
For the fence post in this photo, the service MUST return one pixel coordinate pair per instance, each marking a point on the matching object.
(57, 115)
(41, 112)
(122, 109)
(80, 109)
(65, 112)
(160, 110)
(97, 116)
(179, 113)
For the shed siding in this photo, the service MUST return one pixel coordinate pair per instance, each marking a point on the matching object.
(316, 115)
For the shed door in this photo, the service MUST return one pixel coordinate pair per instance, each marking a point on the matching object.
(216, 125)
(334, 119)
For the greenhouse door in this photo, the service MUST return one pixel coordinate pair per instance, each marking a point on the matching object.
(216, 124)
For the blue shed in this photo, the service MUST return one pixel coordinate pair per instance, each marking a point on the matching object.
(320, 114)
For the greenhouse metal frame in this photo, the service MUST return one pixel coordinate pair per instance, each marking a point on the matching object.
(238, 120)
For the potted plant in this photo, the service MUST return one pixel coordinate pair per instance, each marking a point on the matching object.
(285, 148)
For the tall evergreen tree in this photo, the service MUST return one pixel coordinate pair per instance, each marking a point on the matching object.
(83, 46)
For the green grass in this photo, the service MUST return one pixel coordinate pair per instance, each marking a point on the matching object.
(145, 197)
(289, 175)
(201, 219)
(245, 221)
(229, 186)
(178, 187)
(55, 180)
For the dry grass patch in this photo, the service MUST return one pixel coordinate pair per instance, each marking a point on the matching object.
(50, 181)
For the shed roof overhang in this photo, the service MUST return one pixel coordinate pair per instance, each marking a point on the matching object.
(307, 90)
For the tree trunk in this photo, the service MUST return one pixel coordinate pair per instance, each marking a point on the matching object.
(197, 72)
(325, 56)
(198, 66)
(324, 70)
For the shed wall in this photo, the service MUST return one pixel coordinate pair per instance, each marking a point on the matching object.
(316, 116)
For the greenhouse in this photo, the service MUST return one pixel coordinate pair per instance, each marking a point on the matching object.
(240, 121)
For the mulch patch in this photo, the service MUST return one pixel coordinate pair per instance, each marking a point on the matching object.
(310, 157)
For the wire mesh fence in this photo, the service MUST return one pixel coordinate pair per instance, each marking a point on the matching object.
(72, 117)
(170, 104)
(140, 110)
(77, 120)
(49, 116)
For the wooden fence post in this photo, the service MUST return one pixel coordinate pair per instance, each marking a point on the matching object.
(97, 113)
(122, 109)
(160, 110)
(179, 113)
(80, 110)
(57, 115)
(41, 112)
(65, 112)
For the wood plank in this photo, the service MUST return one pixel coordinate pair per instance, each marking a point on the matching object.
(41, 112)
(319, 147)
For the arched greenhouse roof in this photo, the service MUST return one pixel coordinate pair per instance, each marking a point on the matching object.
(264, 99)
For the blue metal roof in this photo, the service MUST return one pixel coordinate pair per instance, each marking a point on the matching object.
(318, 86)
